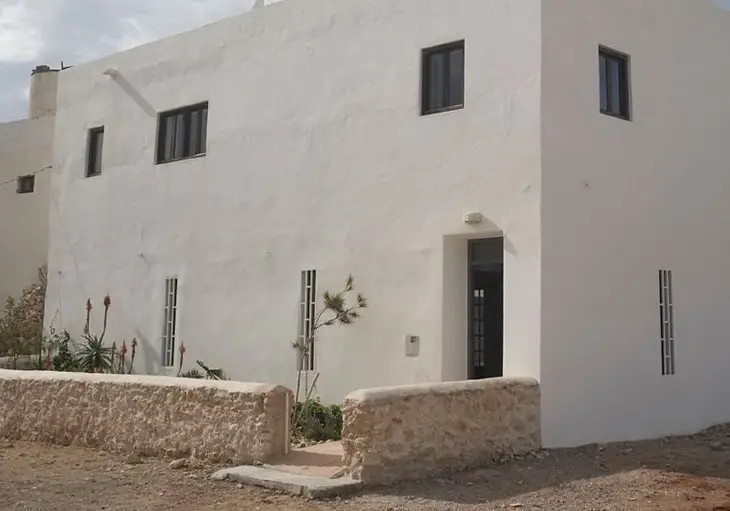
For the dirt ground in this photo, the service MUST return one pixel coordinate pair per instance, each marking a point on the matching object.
(681, 473)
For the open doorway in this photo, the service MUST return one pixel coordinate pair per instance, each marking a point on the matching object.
(486, 308)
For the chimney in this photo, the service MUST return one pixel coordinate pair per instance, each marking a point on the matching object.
(43, 91)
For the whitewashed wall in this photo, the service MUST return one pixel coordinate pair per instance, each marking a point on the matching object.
(317, 158)
(622, 200)
(25, 147)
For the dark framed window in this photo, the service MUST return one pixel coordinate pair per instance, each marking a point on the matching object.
(182, 133)
(614, 83)
(442, 78)
(26, 184)
(94, 151)
(307, 317)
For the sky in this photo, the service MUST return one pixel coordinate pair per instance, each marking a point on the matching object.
(36, 32)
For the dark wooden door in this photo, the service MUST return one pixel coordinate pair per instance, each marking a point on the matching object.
(486, 324)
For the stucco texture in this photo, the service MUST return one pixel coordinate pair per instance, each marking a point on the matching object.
(152, 416)
(401, 433)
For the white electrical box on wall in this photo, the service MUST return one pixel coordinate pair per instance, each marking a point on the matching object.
(412, 345)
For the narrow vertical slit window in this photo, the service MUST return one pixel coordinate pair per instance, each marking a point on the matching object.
(170, 323)
(307, 312)
(94, 152)
(666, 321)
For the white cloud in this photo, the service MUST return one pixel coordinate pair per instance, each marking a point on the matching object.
(36, 32)
(20, 39)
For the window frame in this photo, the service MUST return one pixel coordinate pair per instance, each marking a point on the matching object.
(28, 178)
(307, 316)
(91, 154)
(170, 322)
(426, 53)
(186, 111)
(625, 107)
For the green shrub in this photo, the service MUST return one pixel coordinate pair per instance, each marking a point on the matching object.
(314, 421)
(64, 359)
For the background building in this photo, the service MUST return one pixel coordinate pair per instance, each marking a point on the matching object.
(26, 154)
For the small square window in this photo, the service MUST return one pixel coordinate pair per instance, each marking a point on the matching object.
(442, 76)
(182, 133)
(94, 152)
(614, 83)
(26, 184)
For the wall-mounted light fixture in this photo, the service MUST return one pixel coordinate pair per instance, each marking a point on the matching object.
(473, 218)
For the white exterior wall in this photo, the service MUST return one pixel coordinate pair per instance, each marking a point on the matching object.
(25, 147)
(43, 89)
(317, 159)
(622, 200)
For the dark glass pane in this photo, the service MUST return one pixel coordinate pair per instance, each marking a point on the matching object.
(604, 85)
(204, 130)
(624, 89)
(456, 77)
(169, 138)
(486, 251)
(436, 81)
(179, 136)
(614, 86)
(194, 142)
(98, 151)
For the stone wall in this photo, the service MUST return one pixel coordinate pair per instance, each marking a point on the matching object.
(400, 433)
(218, 421)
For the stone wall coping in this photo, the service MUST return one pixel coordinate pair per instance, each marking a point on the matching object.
(133, 379)
(382, 394)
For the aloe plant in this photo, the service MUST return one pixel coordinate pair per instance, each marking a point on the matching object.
(93, 357)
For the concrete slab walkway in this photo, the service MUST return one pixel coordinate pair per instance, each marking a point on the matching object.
(314, 472)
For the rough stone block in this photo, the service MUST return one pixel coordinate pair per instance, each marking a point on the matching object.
(400, 433)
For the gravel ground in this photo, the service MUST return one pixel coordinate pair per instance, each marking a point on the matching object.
(681, 473)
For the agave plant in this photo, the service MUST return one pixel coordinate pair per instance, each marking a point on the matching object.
(207, 373)
(193, 373)
(93, 356)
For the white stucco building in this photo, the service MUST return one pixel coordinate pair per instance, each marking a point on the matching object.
(26, 153)
(532, 188)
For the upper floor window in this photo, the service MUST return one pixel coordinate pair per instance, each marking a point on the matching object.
(182, 133)
(94, 151)
(442, 76)
(614, 78)
(26, 184)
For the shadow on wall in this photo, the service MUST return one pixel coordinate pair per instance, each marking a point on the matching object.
(131, 91)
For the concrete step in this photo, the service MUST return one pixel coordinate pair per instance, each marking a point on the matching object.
(313, 472)
(267, 476)
(322, 460)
